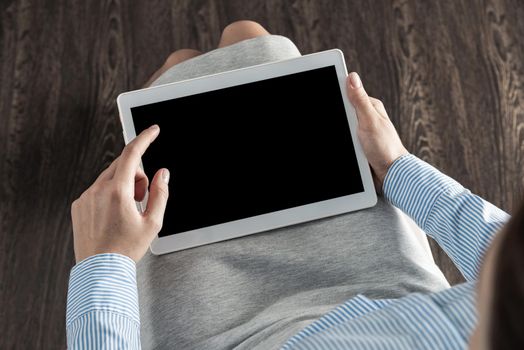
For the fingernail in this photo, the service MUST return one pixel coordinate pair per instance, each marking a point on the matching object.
(354, 80)
(165, 175)
(154, 127)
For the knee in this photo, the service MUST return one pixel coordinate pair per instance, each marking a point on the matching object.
(180, 56)
(243, 26)
(241, 30)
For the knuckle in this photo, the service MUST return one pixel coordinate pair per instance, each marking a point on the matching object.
(117, 193)
(131, 150)
(157, 225)
(369, 124)
(84, 195)
(163, 192)
(74, 205)
(93, 191)
(361, 98)
(375, 124)
(379, 103)
(154, 223)
(83, 198)
(140, 172)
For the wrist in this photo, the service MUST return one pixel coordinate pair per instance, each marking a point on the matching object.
(102, 255)
(388, 166)
(85, 252)
(381, 171)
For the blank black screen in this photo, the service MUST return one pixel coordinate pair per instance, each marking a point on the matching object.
(251, 149)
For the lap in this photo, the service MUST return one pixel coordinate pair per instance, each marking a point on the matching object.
(264, 288)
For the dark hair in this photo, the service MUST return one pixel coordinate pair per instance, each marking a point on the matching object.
(507, 308)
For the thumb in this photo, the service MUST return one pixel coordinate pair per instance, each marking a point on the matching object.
(359, 98)
(158, 194)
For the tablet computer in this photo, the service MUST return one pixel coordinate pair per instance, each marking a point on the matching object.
(252, 150)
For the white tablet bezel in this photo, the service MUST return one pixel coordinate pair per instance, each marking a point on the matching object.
(269, 221)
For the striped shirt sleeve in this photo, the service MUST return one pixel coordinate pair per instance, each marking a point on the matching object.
(102, 304)
(462, 223)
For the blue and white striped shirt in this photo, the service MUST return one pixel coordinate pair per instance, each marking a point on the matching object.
(102, 306)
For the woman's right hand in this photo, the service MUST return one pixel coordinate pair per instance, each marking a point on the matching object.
(106, 218)
(377, 135)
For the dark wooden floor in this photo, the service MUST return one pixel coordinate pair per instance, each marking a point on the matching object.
(449, 72)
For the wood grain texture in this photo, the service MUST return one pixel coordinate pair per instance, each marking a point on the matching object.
(450, 74)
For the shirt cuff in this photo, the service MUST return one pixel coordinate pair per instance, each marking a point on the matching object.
(103, 282)
(414, 186)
